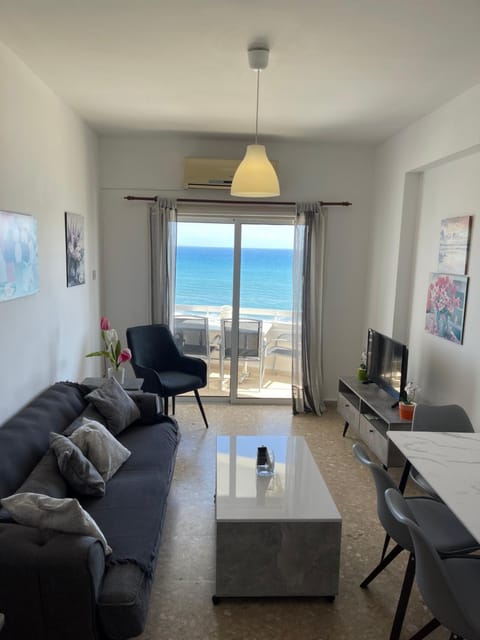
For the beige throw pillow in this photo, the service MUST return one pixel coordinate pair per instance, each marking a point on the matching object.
(59, 514)
(103, 450)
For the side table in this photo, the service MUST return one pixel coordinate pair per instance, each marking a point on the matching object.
(130, 384)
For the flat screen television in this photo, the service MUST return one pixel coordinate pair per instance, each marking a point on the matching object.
(387, 362)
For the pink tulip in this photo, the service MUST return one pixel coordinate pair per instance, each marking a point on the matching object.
(125, 355)
(104, 324)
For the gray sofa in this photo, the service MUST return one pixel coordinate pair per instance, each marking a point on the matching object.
(62, 586)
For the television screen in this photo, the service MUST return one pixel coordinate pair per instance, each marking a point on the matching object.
(387, 362)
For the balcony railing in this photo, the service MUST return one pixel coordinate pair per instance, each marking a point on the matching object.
(270, 376)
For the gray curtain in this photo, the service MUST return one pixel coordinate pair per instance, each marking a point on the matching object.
(308, 276)
(163, 244)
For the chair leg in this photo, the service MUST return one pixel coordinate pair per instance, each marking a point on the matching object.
(385, 546)
(427, 630)
(165, 405)
(173, 405)
(403, 599)
(381, 565)
(199, 402)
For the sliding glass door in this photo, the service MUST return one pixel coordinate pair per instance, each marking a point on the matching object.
(233, 303)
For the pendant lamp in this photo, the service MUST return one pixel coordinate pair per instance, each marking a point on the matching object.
(255, 176)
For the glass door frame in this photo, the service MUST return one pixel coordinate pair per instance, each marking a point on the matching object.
(238, 220)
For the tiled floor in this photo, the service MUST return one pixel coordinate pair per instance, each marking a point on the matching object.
(181, 604)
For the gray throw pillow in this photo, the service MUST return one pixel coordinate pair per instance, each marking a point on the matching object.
(115, 405)
(65, 515)
(102, 448)
(78, 470)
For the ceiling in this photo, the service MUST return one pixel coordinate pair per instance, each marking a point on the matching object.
(340, 70)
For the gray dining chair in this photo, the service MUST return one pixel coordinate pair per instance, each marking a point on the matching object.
(449, 586)
(447, 533)
(445, 417)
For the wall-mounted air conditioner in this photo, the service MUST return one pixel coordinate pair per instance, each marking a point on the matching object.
(208, 173)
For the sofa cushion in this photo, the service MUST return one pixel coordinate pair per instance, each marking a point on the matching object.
(132, 511)
(44, 512)
(102, 448)
(115, 405)
(24, 437)
(45, 478)
(76, 468)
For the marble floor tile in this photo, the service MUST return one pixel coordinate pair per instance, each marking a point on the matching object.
(181, 605)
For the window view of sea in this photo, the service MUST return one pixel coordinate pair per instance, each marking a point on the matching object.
(204, 276)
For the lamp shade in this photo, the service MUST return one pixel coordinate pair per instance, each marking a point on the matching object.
(255, 176)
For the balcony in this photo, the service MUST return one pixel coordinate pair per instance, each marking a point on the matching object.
(266, 375)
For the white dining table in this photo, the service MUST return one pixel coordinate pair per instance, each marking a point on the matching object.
(450, 462)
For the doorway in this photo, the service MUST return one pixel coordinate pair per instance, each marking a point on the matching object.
(233, 303)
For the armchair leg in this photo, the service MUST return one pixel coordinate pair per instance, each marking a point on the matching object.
(199, 402)
(173, 405)
(165, 405)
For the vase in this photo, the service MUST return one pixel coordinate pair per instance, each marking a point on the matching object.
(406, 410)
(118, 374)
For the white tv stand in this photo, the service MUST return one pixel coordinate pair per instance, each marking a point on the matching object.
(368, 413)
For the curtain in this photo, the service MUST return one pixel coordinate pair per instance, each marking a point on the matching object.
(163, 244)
(308, 277)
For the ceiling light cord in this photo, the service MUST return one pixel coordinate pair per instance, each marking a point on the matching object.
(256, 117)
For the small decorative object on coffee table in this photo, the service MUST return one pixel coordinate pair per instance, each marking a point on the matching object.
(265, 461)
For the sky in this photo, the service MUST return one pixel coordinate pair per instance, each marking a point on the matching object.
(254, 236)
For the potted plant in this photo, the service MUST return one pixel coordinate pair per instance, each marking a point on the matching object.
(112, 351)
(362, 369)
(406, 406)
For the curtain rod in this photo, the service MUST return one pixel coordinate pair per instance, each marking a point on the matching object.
(155, 198)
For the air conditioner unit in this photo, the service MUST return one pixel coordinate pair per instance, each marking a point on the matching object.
(208, 173)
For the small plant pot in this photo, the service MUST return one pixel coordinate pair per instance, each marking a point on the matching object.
(406, 410)
(362, 374)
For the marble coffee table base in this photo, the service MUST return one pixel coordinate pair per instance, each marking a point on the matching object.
(257, 559)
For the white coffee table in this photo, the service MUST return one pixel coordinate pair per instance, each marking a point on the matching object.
(277, 536)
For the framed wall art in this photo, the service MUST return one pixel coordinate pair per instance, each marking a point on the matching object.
(454, 244)
(446, 301)
(75, 249)
(18, 255)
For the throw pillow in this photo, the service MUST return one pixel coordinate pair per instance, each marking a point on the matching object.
(115, 405)
(78, 471)
(60, 514)
(101, 448)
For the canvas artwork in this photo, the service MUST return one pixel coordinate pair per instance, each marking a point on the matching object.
(18, 255)
(446, 300)
(454, 242)
(75, 249)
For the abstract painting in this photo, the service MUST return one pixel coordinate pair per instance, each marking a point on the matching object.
(75, 249)
(18, 255)
(454, 241)
(446, 300)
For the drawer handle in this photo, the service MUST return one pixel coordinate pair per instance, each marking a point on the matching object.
(347, 405)
(371, 430)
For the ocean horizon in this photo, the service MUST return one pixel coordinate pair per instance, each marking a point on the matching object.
(204, 276)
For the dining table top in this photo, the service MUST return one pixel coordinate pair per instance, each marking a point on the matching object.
(450, 462)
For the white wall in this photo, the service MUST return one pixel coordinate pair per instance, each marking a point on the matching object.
(148, 165)
(48, 165)
(427, 172)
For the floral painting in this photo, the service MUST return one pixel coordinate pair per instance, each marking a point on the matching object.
(75, 249)
(446, 299)
(18, 255)
(454, 240)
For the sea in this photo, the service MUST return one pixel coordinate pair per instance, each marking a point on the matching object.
(204, 276)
